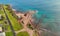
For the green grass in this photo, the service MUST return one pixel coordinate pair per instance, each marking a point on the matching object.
(19, 34)
(13, 20)
(22, 34)
(9, 34)
(2, 13)
(4, 19)
(7, 27)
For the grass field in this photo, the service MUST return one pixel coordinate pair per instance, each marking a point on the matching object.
(17, 26)
(22, 34)
(2, 13)
(19, 34)
(4, 20)
(9, 34)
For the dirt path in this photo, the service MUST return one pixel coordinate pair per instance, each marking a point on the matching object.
(26, 29)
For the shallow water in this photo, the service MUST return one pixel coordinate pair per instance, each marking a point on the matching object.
(50, 8)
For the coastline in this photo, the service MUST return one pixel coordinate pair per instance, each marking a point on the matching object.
(25, 19)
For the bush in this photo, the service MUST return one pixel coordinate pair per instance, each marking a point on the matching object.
(29, 26)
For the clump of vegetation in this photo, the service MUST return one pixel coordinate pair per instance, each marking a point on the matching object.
(35, 33)
(29, 26)
(2, 17)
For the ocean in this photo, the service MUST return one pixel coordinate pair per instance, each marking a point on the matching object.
(49, 8)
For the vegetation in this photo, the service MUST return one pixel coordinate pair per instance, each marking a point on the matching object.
(35, 33)
(22, 34)
(13, 20)
(9, 34)
(3, 20)
(29, 26)
(17, 26)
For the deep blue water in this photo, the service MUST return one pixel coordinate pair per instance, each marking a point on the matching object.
(50, 8)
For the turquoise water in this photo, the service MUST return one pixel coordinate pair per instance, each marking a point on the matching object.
(50, 8)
